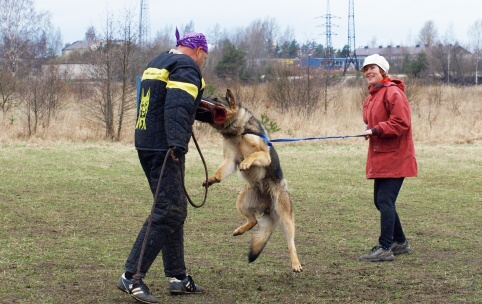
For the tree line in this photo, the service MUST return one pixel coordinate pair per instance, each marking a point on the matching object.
(33, 82)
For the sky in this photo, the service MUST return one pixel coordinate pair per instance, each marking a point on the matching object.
(385, 22)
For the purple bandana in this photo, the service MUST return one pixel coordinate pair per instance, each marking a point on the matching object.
(192, 40)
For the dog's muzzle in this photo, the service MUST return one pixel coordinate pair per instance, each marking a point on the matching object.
(211, 111)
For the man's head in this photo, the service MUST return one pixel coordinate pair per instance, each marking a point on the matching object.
(194, 45)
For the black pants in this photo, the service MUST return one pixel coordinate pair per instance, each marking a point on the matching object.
(166, 232)
(385, 195)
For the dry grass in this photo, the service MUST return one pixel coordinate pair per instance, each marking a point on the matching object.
(70, 212)
(440, 114)
(71, 204)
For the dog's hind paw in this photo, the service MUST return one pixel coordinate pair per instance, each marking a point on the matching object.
(297, 268)
(237, 232)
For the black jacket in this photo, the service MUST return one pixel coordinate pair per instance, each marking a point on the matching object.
(171, 89)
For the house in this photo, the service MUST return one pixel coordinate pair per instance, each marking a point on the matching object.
(82, 46)
(396, 54)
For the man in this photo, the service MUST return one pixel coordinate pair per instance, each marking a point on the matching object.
(171, 89)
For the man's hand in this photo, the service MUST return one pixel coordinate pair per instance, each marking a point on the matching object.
(175, 151)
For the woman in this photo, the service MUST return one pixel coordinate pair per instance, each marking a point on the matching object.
(391, 154)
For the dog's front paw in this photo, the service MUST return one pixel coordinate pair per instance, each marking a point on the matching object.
(245, 165)
(211, 180)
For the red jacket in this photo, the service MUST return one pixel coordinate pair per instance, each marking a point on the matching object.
(386, 111)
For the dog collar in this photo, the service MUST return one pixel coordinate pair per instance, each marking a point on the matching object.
(266, 139)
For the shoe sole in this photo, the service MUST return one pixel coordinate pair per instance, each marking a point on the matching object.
(403, 251)
(142, 301)
(179, 292)
(387, 259)
(121, 288)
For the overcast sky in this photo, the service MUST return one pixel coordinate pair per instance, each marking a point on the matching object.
(387, 22)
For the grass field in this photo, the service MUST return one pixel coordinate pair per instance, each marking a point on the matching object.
(70, 212)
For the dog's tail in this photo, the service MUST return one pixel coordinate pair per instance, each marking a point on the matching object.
(266, 226)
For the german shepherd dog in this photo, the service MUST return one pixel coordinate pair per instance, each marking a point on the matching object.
(246, 148)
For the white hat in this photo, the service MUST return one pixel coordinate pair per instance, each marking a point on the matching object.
(378, 60)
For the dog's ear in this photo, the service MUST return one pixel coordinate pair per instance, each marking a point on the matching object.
(230, 98)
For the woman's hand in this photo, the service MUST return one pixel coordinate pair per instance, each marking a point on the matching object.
(368, 133)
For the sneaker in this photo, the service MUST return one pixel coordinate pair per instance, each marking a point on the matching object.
(185, 286)
(400, 248)
(378, 254)
(138, 290)
(123, 283)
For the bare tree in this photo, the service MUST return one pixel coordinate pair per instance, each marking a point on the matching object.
(188, 28)
(435, 101)
(90, 34)
(457, 63)
(54, 43)
(164, 40)
(300, 90)
(413, 91)
(428, 34)
(100, 107)
(257, 41)
(328, 95)
(33, 100)
(42, 96)
(113, 71)
(55, 91)
(127, 68)
(438, 58)
(215, 38)
(448, 60)
(9, 96)
(475, 34)
(20, 28)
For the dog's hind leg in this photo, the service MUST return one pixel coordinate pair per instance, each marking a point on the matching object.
(287, 224)
(243, 206)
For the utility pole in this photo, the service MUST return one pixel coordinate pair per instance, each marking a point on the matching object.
(351, 54)
(448, 65)
(144, 23)
(329, 53)
(476, 68)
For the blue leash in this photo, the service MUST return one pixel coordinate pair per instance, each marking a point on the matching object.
(304, 138)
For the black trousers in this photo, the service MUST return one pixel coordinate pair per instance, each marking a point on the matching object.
(385, 195)
(166, 232)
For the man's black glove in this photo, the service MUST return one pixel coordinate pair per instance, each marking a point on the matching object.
(176, 153)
